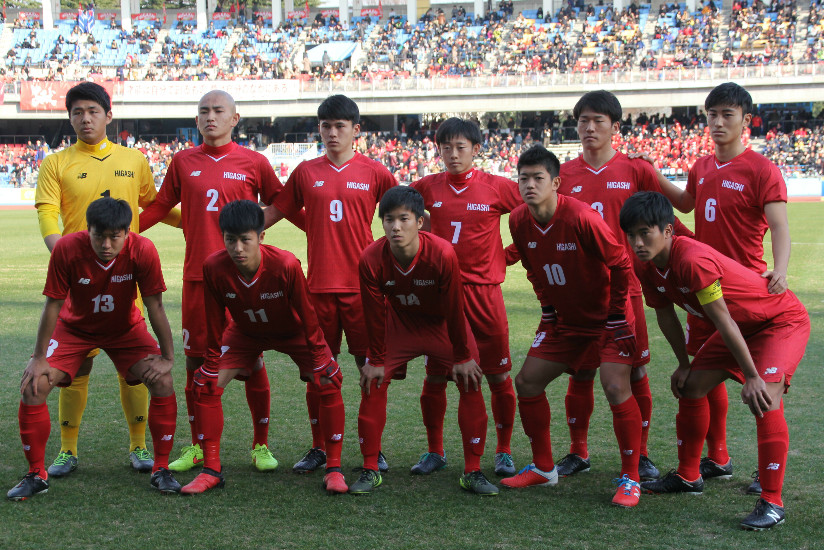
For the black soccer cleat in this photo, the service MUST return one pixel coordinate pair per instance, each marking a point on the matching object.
(31, 484)
(164, 481)
(313, 459)
(764, 516)
(673, 483)
(754, 488)
(572, 464)
(647, 470)
(711, 469)
(383, 466)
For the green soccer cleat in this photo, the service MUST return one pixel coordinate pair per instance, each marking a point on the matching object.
(190, 457)
(476, 482)
(141, 459)
(262, 459)
(368, 480)
(63, 465)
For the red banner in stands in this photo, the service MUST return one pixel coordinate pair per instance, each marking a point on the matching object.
(263, 14)
(49, 96)
(186, 16)
(66, 15)
(376, 12)
(222, 15)
(297, 14)
(106, 16)
(29, 15)
(148, 16)
(330, 13)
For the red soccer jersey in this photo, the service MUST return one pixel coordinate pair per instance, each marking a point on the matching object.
(274, 304)
(694, 266)
(204, 180)
(100, 297)
(575, 264)
(340, 204)
(729, 204)
(467, 212)
(428, 291)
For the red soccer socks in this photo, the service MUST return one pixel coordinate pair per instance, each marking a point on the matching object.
(691, 424)
(258, 399)
(773, 444)
(535, 417)
(503, 412)
(162, 420)
(35, 426)
(626, 421)
(579, 403)
(717, 433)
(433, 410)
(643, 396)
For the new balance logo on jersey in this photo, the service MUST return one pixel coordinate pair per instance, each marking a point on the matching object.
(701, 181)
(684, 290)
(124, 173)
(437, 204)
(423, 282)
(231, 295)
(357, 185)
(82, 175)
(532, 244)
(477, 207)
(389, 283)
(661, 289)
(732, 185)
(773, 466)
(234, 176)
(84, 281)
(566, 246)
(223, 349)
(194, 173)
(121, 278)
(318, 183)
(271, 295)
(618, 185)
(771, 370)
(576, 189)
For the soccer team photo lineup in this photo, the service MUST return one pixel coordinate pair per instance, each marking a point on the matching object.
(598, 235)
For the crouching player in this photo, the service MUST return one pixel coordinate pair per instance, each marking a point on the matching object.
(267, 297)
(413, 301)
(90, 290)
(759, 340)
(581, 273)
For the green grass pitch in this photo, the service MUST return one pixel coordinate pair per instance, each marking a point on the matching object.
(105, 504)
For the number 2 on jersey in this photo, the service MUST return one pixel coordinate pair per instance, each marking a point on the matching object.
(212, 194)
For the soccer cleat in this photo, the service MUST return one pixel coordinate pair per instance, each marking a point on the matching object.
(674, 483)
(628, 493)
(31, 484)
(190, 457)
(262, 459)
(764, 516)
(313, 459)
(205, 480)
(368, 480)
(754, 488)
(164, 481)
(504, 466)
(429, 462)
(63, 465)
(572, 464)
(334, 483)
(383, 465)
(142, 460)
(711, 469)
(530, 476)
(476, 482)
(647, 470)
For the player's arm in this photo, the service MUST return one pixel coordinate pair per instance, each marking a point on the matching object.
(511, 254)
(776, 213)
(271, 187)
(38, 365)
(160, 365)
(158, 207)
(374, 311)
(47, 201)
(681, 199)
(672, 330)
(272, 215)
(148, 194)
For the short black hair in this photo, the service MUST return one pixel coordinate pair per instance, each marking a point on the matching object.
(456, 127)
(538, 155)
(239, 217)
(109, 214)
(649, 208)
(90, 91)
(729, 94)
(339, 107)
(601, 102)
(401, 196)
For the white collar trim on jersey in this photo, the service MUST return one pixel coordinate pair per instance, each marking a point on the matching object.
(543, 231)
(665, 274)
(458, 191)
(247, 285)
(106, 267)
(408, 271)
(720, 166)
(217, 159)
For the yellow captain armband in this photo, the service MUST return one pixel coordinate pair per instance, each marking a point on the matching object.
(47, 215)
(710, 294)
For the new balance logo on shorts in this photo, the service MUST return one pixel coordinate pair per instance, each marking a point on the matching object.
(771, 370)
(504, 361)
(194, 173)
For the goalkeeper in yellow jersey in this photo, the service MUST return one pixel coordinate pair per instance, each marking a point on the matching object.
(68, 182)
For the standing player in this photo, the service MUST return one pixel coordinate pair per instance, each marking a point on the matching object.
(68, 182)
(203, 180)
(580, 272)
(465, 208)
(339, 192)
(267, 297)
(91, 287)
(737, 195)
(413, 302)
(759, 341)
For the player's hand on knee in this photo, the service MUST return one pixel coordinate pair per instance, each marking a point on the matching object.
(622, 334)
(205, 380)
(330, 372)
(466, 373)
(35, 368)
(370, 372)
(755, 395)
(678, 380)
(158, 367)
(777, 281)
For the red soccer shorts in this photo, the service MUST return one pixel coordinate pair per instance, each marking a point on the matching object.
(486, 314)
(578, 351)
(406, 340)
(338, 313)
(776, 350)
(641, 336)
(241, 352)
(68, 349)
(698, 331)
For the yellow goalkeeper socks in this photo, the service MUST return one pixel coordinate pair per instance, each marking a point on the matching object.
(135, 402)
(71, 404)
